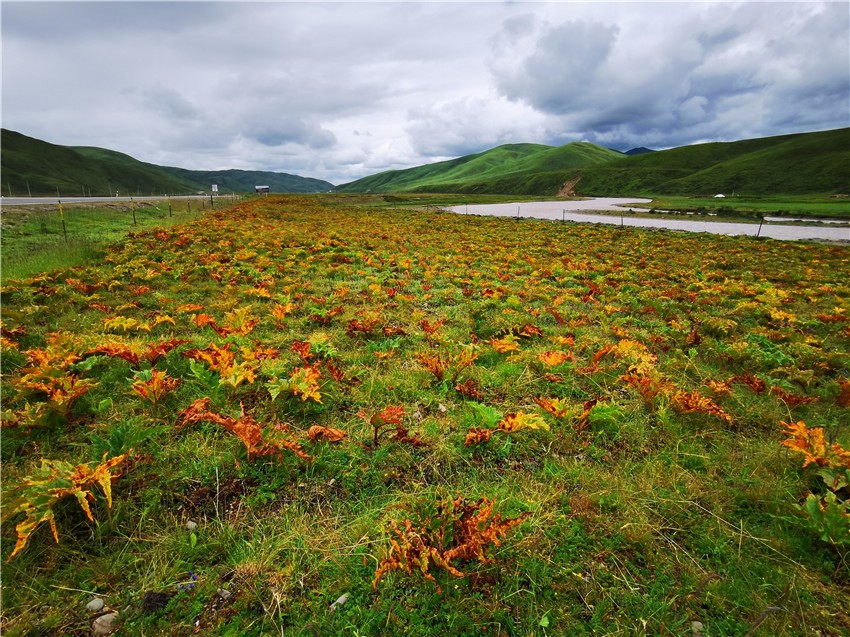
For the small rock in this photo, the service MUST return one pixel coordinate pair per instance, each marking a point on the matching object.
(339, 602)
(697, 628)
(104, 625)
(224, 594)
(443, 409)
(95, 605)
(191, 525)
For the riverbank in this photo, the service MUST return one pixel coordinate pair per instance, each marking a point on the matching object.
(615, 211)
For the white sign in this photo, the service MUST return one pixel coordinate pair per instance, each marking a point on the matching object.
(215, 187)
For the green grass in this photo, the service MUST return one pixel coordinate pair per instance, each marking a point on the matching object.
(642, 516)
(34, 240)
(786, 206)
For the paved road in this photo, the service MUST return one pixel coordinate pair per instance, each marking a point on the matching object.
(43, 201)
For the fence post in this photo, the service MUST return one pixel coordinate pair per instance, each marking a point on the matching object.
(62, 218)
(133, 208)
(170, 208)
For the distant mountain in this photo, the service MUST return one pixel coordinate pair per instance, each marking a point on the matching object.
(640, 150)
(509, 169)
(804, 163)
(37, 167)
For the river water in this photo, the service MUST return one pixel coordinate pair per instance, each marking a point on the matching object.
(583, 212)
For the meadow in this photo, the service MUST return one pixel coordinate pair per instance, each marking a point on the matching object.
(800, 206)
(319, 415)
(39, 238)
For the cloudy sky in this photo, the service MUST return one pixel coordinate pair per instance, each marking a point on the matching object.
(339, 91)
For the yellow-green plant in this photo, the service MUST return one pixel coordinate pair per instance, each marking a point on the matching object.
(37, 494)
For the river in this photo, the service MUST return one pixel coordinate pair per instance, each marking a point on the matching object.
(583, 212)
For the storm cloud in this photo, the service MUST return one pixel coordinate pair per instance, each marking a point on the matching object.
(342, 90)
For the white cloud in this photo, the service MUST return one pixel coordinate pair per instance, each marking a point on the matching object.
(339, 91)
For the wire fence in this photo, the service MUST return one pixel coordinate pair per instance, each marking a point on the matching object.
(39, 237)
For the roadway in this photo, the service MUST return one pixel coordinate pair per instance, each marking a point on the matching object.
(44, 201)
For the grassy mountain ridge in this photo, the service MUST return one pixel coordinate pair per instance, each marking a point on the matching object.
(505, 169)
(33, 166)
(803, 163)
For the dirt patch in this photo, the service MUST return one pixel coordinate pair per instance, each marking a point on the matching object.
(568, 189)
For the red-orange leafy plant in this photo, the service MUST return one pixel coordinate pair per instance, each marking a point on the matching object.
(694, 402)
(510, 424)
(135, 353)
(391, 420)
(223, 360)
(439, 365)
(329, 434)
(811, 442)
(450, 532)
(257, 442)
(152, 385)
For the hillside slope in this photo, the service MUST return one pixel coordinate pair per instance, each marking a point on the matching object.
(805, 163)
(512, 168)
(227, 180)
(33, 166)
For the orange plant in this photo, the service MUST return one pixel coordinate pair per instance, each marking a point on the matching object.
(37, 494)
(554, 358)
(47, 378)
(509, 343)
(152, 385)
(455, 531)
(134, 353)
(223, 361)
(511, 423)
(812, 443)
(248, 430)
(391, 420)
(439, 365)
(318, 432)
(435, 364)
(694, 402)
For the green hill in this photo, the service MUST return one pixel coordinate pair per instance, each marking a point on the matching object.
(244, 180)
(32, 166)
(509, 169)
(36, 167)
(227, 180)
(805, 163)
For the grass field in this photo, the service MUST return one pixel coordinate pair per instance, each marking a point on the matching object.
(787, 206)
(332, 416)
(35, 240)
